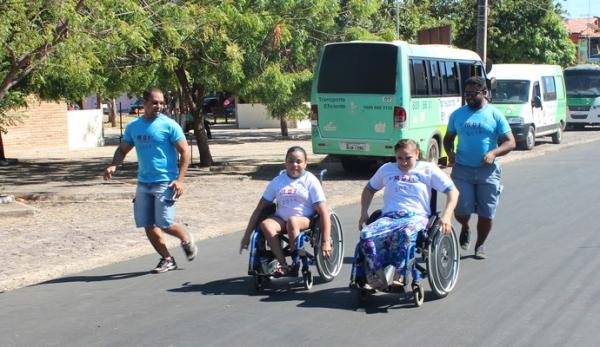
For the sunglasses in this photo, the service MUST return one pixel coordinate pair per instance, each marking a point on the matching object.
(473, 93)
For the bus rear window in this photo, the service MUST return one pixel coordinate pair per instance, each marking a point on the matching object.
(365, 68)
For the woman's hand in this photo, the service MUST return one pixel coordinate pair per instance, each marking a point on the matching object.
(446, 226)
(362, 221)
(244, 243)
(326, 248)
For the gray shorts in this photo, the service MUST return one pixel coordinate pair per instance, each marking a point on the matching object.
(154, 205)
(479, 189)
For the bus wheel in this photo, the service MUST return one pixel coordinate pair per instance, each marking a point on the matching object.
(353, 165)
(433, 152)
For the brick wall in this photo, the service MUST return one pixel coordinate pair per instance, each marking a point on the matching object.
(44, 125)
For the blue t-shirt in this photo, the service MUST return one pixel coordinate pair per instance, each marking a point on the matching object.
(478, 132)
(154, 142)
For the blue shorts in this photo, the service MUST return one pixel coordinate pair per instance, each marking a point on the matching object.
(154, 205)
(479, 189)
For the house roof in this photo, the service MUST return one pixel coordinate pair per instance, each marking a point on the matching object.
(586, 27)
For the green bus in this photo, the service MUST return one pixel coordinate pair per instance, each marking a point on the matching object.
(368, 95)
(583, 95)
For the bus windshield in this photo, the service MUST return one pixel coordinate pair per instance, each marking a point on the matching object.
(582, 83)
(360, 68)
(511, 92)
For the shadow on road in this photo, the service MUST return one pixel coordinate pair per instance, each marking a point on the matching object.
(286, 289)
(99, 278)
(43, 171)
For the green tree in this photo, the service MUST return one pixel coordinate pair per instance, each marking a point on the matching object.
(519, 31)
(278, 72)
(53, 49)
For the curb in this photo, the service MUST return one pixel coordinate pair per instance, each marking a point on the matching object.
(17, 209)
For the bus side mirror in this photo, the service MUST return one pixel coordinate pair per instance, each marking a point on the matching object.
(537, 102)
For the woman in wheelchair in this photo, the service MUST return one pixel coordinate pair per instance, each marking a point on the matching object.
(298, 195)
(407, 186)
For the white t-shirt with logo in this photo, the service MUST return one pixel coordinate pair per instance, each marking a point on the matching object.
(409, 191)
(294, 196)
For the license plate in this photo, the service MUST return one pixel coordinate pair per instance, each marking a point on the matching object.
(364, 147)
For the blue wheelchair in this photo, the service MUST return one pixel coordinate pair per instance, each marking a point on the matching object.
(433, 255)
(261, 261)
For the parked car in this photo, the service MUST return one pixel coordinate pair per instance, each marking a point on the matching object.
(136, 108)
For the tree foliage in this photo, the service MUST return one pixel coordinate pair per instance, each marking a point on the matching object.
(519, 31)
(263, 50)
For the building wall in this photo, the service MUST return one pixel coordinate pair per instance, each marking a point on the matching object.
(44, 125)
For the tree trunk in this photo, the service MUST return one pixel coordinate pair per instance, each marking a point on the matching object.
(112, 113)
(284, 126)
(195, 107)
(2, 156)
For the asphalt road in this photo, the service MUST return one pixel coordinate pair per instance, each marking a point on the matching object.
(540, 287)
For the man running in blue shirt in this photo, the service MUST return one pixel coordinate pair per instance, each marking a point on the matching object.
(157, 140)
(476, 171)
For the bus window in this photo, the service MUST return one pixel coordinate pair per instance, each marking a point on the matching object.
(449, 78)
(419, 76)
(361, 68)
(434, 73)
(465, 72)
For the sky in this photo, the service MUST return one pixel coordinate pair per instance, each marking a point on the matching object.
(581, 8)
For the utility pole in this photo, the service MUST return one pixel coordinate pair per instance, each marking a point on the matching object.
(482, 14)
(397, 20)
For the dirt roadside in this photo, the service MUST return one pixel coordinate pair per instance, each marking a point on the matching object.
(85, 223)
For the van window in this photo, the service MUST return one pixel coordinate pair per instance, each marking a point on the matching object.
(536, 90)
(511, 92)
(549, 88)
(358, 68)
(419, 78)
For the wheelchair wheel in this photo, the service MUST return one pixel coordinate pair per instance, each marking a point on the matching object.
(443, 262)
(330, 267)
(307, 279)
(418, 295)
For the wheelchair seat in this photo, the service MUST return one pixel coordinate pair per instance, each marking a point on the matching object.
(438, 251)
(327, 268)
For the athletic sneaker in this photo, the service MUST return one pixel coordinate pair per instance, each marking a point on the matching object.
(165, 265)
(480, 253)
(189, 248)
(465, 238)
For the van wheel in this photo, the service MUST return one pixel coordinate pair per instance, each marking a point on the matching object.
(433, 152)
(557, 136)
(529, 141)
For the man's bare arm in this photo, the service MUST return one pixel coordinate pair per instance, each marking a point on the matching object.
(118, 158)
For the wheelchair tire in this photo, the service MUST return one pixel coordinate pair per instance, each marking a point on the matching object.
(443, 262)
(330, 267)
(307, 279)
(418, 295)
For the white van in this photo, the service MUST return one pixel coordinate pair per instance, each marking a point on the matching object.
(533, 100)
